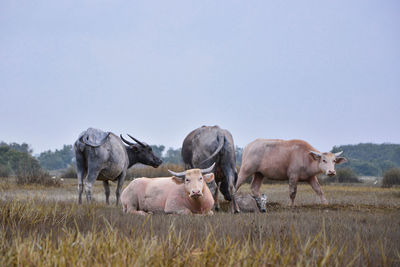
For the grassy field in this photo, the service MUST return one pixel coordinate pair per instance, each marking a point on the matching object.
(43, 226)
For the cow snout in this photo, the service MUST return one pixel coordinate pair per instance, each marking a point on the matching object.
(331, 173)
(195, 193)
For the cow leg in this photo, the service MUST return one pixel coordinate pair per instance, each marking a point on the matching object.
(107, 190)
(317, 188)
(242, 177)
(256, 184)
(121, 180)
(184, 211)
(80, 171)
(292, 189)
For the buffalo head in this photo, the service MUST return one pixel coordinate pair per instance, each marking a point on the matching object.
(141, 152)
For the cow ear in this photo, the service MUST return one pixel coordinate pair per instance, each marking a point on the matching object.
(315, 155)
(178, 180)
(340, 160)
(208, 177)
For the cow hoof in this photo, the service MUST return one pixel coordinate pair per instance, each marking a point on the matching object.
(216, 208)
(263, 210)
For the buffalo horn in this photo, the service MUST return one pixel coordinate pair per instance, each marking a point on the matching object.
(338, 153)
(137, 141)
(126, 141)
(208, 169)
(177, 174)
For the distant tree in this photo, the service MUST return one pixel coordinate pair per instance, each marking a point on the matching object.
(59, 159)
(15, 162)
(173, 156)
(391, 177)
(238, 153)
(158, 150)
(346, 175)
(24, 147)
(370, 159)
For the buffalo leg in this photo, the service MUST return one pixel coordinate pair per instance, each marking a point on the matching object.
(317, 188)
(121, 180)
(107, 190)
(232, 191)
(255, 190)
(80, 171)
(292, 189)
(216, 198)
(89, 181)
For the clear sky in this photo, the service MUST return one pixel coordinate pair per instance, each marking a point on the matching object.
(324, 71)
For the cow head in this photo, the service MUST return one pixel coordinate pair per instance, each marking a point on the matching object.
(327, 161)
(141, 152)
(194, 180)
(261, 202)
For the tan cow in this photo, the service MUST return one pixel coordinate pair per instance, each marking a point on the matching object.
(184, 193)
(293, 160)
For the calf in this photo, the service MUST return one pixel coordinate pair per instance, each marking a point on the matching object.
(247, 203)
(184, 193)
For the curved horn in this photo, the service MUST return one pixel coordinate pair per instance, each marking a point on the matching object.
(126, 141)
(137, 141)
(177, 174)
(208, 169)
(338, 153)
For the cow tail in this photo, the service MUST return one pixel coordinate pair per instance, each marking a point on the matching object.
(221, 141)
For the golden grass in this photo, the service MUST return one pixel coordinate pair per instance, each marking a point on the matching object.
(45, 227)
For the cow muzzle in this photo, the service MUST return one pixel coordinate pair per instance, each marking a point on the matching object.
(331, 173)
(195, 194)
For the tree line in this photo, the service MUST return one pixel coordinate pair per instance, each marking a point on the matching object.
(370, 159)
(364, 159)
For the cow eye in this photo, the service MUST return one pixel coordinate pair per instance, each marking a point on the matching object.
(324, 161)
(187, 180)
(201, 178)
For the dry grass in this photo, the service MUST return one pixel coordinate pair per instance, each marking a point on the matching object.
(45, 227)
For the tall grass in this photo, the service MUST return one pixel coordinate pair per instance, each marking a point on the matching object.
(43, 233)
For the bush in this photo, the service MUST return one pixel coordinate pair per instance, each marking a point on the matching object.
(69, 172)
(5, 171)
(30, 172)
(391, 177)
(346, 175)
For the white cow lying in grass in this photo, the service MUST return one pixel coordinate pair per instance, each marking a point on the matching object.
(184, 193)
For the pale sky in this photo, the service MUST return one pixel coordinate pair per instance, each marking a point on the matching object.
(327, 72)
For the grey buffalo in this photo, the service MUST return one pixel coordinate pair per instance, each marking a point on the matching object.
(209, 144)
(103, 156)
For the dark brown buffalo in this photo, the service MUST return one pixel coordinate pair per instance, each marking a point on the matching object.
(293, 160)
